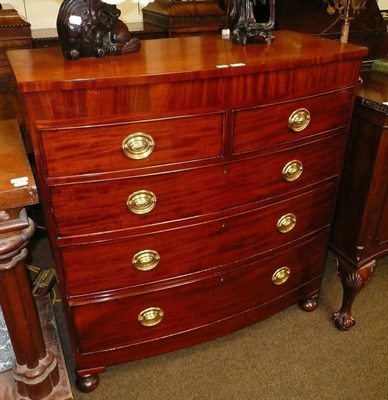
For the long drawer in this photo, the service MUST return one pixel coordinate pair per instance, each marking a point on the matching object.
(132, 202)
(271, 125)
(87, 150)
(162, 255)
(194, 304)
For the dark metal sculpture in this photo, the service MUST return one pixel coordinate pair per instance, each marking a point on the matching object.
(88, 28)
(247, 29)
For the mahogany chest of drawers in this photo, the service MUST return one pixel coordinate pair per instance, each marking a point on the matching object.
(188, 188)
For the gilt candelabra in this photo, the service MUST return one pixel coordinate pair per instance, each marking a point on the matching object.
(346, 9)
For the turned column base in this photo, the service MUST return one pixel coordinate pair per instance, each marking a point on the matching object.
(35, 370)
(37, 383)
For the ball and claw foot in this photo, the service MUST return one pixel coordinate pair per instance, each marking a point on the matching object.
(88, 383)
(310, 304)
(343, 321)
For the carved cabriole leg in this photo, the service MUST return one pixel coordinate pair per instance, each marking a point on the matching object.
(352, 282)
(35, 370)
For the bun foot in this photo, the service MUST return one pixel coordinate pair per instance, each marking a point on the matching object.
(310, 304)
(88, 383)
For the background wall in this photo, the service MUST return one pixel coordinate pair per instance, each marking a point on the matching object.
(43, 13)
(383, 4)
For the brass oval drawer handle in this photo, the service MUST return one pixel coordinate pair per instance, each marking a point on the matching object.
(151, 316)
(146, 260)
(286, 223)
(141, 202)
(281, 275)
(292, 170)
(299, 119)
(138, 145)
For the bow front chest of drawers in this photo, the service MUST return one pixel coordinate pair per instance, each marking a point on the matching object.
(188, 188)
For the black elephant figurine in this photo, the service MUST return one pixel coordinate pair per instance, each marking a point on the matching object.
(88, 28)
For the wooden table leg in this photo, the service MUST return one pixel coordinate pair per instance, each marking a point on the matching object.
(35, 370)
(353, 279)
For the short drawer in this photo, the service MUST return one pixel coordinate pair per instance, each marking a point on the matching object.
(271, 125)
(167, 254)
(168, 311)
(133, 202)
(87, 150)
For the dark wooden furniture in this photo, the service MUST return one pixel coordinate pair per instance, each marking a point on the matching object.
(48, 37)
(360, 228)
(36, 369)
(186, 187)
(15, 33)
(367, 29)
(192, 17)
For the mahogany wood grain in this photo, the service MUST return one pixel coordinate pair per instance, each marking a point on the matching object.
(326, 111)
(63, 156)
(189, 194)
(240, 289)
(14, 165)
(219, 194)
(244, 89)
(186, 58)
(193, 336)
(233, 239)
(102, 145)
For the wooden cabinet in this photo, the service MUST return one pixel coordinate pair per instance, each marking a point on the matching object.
(186, 187)
(178, 18)
(35, 369)
(15, 33)
(360, 228)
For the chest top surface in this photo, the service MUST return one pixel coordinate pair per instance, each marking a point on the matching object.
(163, 60)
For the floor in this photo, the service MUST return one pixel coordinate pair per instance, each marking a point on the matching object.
(51, 337)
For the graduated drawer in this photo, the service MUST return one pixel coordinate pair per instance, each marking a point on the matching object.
(275, 124)
(169, 310)
(134, 202)
(166, 254)
(86, 150)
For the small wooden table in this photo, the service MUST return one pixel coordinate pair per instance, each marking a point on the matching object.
(36, 369)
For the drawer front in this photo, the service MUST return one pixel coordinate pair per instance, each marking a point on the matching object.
(99, 207)
(180, 308)
(133, 145)
(274, 124)
(162, 255)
